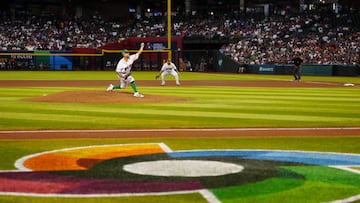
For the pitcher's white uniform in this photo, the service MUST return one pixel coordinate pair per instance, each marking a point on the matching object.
(169, 68)
(123, 69)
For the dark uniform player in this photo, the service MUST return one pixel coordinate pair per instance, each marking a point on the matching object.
(297, 66)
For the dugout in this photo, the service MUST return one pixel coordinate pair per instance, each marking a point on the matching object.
(224, 63)
(60, 62)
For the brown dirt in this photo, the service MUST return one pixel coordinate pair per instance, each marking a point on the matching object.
(172, 133)
(88, 96)
(102, 97)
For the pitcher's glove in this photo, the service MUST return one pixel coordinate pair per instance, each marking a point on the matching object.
(157, 77)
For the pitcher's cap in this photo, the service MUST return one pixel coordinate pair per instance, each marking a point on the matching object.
(124, 51)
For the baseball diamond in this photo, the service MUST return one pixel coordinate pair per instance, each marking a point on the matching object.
(215, 101)
(206, 151)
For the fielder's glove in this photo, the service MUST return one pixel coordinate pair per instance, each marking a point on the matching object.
(157, 77)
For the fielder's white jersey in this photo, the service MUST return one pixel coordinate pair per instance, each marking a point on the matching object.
(168, 67)
(124, 67)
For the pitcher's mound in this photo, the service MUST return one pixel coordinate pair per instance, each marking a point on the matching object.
(103, 97)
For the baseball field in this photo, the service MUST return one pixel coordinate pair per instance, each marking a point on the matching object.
(215, 138)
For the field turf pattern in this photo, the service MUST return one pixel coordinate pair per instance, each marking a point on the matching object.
(210, 107)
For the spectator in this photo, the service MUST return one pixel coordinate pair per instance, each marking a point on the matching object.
(320, 38)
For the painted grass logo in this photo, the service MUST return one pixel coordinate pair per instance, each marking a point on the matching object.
(218, 175)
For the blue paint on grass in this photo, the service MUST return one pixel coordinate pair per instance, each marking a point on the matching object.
(316, 158)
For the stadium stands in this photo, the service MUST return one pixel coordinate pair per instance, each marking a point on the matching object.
(322, 37)
(318, 37)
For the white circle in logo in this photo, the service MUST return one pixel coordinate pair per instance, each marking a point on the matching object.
(183, 168)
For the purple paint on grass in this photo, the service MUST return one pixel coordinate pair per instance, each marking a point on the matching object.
(77, 185)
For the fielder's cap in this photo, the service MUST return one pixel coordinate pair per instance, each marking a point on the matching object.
(124, 51)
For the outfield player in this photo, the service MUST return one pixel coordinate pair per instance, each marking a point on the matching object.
(169, 68)
(123, 70)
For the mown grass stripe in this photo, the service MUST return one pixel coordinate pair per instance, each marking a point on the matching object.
(210, 107)
(194, 114)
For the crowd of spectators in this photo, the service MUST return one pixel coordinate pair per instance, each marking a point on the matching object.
(27, 32)
(319, 38)
(54, 33)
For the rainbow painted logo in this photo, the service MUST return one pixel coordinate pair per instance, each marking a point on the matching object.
(153, 168)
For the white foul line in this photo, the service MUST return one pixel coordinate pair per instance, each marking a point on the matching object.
(178, 130)
(347, 200)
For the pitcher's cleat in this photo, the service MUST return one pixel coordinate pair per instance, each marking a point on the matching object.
(111, 86)
(137, 94)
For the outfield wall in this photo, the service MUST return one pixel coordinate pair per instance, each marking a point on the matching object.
(307, 69)
(226, 64)
(200, 60)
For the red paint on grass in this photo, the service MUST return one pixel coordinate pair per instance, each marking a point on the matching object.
(45, 183)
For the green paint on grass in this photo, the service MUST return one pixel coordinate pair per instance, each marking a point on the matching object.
(329, 184)
(327, 174)
(285, 181)
(309, 192)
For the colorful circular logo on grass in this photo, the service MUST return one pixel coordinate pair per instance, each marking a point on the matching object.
(153, 168)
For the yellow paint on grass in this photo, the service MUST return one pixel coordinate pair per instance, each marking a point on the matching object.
(85, 158)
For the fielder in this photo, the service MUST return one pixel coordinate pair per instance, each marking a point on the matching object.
(123, 70)
(169, 68)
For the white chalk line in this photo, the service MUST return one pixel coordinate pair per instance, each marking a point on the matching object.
(347, 200)
(323, 83)
(178, 130)
(311, 82)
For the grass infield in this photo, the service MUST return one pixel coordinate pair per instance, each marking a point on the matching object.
(209, 107)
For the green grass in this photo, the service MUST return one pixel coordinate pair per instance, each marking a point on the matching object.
(210, 107)
(196, 198)
(108, 75)
(149, 75)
